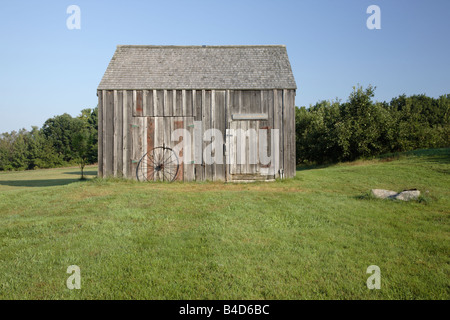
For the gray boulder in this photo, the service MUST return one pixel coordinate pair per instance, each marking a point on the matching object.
(405, 195)
(383, 194)
(408, 195)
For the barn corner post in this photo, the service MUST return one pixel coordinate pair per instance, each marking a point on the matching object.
(142, 104)
(100, 134)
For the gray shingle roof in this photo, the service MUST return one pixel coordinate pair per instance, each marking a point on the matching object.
(199, 67)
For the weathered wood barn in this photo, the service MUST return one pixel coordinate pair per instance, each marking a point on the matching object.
(246, 94)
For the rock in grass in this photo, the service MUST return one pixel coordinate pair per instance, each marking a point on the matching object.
(383, 194)
(408, 195)
(405, 195)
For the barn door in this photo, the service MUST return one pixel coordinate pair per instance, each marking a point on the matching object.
(249, 154)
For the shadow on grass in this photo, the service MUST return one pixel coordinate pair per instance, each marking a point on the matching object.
(312, 167)
(441, 156)
(39, 183)
(86, 173)
(438, 156)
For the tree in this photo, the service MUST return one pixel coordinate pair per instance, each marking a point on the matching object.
(40, 151)
(59, 130)
(335, 131)
(81, 145)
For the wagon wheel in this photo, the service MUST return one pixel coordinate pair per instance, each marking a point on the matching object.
(159, 164)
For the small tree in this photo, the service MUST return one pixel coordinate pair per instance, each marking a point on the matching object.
(81, 143)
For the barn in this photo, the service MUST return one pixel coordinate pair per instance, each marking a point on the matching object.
(195, 113)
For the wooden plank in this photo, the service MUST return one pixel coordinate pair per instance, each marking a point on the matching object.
(245, 127)
(144, 102)
(109, 153)
(178, 102)
(279, 112)
(118, 129)
(198, 105)
(290, 132)
(100, 133)
(174, 102)
(160, 103)
(178, 123)
(198, 151)
(167, 131)
(159, 140)
(139, 103)
(167, 106)
(140, 138)
(255, 104)
(240, 151)
(125, 134)
(285, 135)
(246, 101)
(144, 129)
(233, 166)
(155, 103)
(148, 104)
(263, 136)
(194, 109)
(134, 103)
(183, 102)
(235, 126)
(189, 167)
(198, 137)
(220, 125)
(115, 133)
(293, 137)
(227, 154)
(270, 124)
(104, 133)
(252, 147)
(150, 146)
(277, 119)
(236, 102)
(213, 120)
(134, 144)
(206, 116)
(189, 97)
(168, 103)
(250, 116)
(130, 174)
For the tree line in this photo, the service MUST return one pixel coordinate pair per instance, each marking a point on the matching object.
(335, 131)
(327, 132)
(62, 140)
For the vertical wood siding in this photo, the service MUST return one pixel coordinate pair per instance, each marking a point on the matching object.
(132, 122)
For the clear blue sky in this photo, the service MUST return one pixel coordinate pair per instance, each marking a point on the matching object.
(46, 69)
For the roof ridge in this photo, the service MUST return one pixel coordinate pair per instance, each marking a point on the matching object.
(200, 46)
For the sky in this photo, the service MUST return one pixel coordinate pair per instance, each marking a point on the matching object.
(47, 69)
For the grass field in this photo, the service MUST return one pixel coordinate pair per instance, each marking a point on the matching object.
(311, 237)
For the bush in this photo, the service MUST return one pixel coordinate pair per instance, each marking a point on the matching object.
(359, 128)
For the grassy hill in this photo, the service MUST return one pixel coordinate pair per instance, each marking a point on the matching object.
(311, 237)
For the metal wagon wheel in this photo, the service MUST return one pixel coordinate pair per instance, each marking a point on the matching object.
(159, 164)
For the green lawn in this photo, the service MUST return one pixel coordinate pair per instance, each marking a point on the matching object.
(311, 237)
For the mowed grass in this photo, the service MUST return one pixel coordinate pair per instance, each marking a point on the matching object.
(311, 237)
